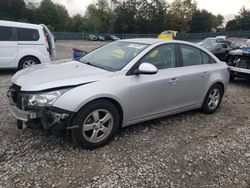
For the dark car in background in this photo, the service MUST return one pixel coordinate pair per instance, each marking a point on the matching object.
(111, 38)
(220, 50)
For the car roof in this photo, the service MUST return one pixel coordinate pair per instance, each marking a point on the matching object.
(151, 41)
(19, 24)
(143, 40)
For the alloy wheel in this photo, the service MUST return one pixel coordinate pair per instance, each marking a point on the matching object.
(214, 98)
(98, 126)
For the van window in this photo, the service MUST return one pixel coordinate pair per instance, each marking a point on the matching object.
(27, 34)
(6, 33)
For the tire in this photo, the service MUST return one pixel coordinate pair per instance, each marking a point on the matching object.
(232, 77)
(98, 132)
(27, 62)
(212, 100)
(19, 124)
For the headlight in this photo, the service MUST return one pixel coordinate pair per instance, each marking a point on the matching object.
(44, 99)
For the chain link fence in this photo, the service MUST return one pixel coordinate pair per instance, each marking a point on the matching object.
(181, 36)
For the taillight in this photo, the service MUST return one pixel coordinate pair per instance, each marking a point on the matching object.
(47, 44)
(228, 69)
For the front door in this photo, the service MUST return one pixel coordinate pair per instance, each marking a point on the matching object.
(154, 94)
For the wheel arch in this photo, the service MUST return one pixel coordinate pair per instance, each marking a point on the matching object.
(211, 85)
(114, 102)
(26, 56)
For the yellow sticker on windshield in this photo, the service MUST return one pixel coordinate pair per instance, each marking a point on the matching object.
(118, 53)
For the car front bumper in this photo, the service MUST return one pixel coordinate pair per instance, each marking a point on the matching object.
(23, 115)
(47, 117)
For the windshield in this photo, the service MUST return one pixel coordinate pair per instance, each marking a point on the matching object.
(168, 32)
(113, 56)
(209, 40)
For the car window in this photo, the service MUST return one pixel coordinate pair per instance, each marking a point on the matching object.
(24, 34)
(224, 46)
(190, 55)
(205, 58)
(162, 57)
(6, 33)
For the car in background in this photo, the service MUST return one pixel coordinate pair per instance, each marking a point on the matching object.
(111, 38)
(119, 84)
(100, 38)
(168, 35)
(92, 38)
(23, 45)
(220, 50)
(239, 63)
(218, 39)
(207, 40)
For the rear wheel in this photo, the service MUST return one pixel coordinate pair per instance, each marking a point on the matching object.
(213, 99)
(97, 124)
(27, 62)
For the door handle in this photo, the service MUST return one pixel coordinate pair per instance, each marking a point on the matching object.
(205, 74)
(173, 81)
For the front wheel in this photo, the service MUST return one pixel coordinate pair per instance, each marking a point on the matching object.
(97, 123)
(213, 99)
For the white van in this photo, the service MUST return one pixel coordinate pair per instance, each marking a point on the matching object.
(23, 45)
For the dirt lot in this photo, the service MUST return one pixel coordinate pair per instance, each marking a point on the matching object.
(185, 150)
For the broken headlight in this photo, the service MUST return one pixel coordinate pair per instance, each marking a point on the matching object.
(43, 99)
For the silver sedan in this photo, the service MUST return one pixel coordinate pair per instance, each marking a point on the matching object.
(119, 84)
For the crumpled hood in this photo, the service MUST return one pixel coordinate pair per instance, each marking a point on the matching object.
(58, 74)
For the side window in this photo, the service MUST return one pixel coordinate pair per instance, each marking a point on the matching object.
(205, 58)
(6, 34)
(162, 57)
(27, 34)
(190, 55)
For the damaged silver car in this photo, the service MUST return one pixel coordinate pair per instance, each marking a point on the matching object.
(120, 84)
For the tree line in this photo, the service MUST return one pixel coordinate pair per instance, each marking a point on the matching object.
(118, 16)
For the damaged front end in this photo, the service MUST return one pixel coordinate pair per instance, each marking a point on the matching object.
(35, 110)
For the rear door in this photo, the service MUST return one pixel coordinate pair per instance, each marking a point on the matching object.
(194, 76)
(51, 41)
(8, 46)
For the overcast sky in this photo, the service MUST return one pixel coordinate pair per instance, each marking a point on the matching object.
(227, 8)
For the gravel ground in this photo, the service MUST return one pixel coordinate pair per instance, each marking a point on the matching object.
(186, 150)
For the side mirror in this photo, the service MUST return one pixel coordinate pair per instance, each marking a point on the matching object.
(146, 68)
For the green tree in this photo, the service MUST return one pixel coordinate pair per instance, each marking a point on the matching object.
(77, 23)
(125, 21)
(218, 21)
(180, 14)
(13, 10)
(55, 16)
(99, 17)
(240, 22)
(204, 21)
